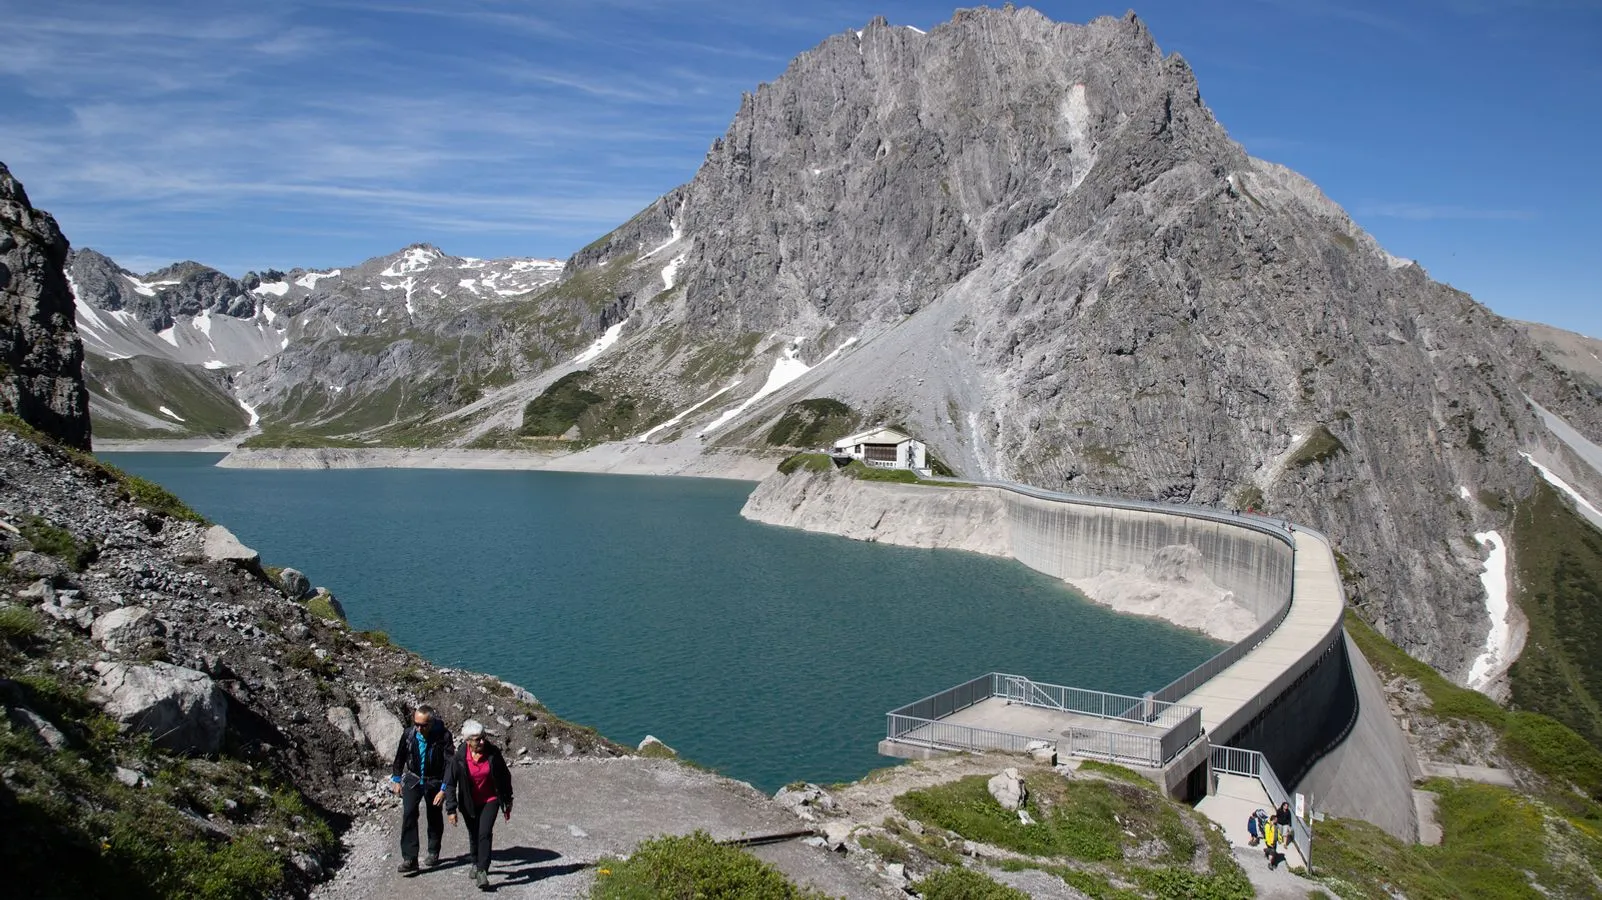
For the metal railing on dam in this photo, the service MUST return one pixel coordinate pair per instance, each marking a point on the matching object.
(1262, 560)
(1284, 574)
(1133, 730)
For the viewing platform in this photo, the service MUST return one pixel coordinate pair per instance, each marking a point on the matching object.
(1012, 714)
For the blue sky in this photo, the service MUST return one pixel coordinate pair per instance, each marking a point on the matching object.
(1462, 133)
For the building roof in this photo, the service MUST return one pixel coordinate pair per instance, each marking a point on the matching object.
(879, 435)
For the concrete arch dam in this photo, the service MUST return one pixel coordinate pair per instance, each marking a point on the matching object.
(1294, 689)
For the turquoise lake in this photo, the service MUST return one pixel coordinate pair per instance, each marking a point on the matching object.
(647, 605)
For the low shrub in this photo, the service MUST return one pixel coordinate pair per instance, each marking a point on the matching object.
(19, 624)
(692, 866)
(59, 542)
(965, 884)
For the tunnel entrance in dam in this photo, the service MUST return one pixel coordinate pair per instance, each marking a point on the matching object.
(1307, 720)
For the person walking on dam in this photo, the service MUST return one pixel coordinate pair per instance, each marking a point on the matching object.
(421, 776)
(483, 788)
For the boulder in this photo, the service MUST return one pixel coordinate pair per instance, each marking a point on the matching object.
(29, 565)
(346, 723)
(381, 726)
(1042, 752)
(183, 710)
(127, 629)
(294, 584)
(220, 545)
(1008, 789)
(41, 591)
(804, 800)
(42, 729)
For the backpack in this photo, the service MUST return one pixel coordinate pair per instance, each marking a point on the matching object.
(1252, 828)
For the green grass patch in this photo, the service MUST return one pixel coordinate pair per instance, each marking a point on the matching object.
(59, 542)
(958, 883)
(1320, 446)
(1446, 699)
(1083, 820)
(19, 624)
(322, 606)
(807, 462)
(1557, 558)
(857, 470)
(376, 638)
(817, 422)
(1117, 772)
(1497, 844)
(691, 867)
(157, 499)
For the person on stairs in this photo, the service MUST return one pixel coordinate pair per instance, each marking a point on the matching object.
(483, 788)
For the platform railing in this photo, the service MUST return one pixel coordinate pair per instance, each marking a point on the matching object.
(919, 723)
(1252, 764)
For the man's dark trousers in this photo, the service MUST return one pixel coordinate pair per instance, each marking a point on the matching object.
(411, 798)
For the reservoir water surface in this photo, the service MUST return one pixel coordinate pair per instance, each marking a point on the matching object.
(647, 605)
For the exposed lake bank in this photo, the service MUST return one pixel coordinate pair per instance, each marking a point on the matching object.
(616, 458)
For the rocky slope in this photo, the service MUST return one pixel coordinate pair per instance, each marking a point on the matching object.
(41, 358)
(136, 639)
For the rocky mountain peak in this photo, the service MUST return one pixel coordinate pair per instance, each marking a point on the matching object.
(41, 358)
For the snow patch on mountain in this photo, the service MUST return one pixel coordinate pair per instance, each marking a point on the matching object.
(1499, 652)
(413, 259)
(310, 279)
(1583, 506)
(274, 288)
(671, 272)
(787, 368)
(682, 413)
(166, 411)
(600, 344)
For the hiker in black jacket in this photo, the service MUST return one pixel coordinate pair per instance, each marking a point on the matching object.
(421, 775)
(483, 788)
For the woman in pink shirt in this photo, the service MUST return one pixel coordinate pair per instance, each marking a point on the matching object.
(483, 787)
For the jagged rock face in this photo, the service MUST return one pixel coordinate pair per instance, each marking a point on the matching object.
(186, 288)
(41, 358)
(885, 165)
(1064, 272)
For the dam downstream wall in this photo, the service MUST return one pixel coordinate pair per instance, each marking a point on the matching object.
(1293, 690)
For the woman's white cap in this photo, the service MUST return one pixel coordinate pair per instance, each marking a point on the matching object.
(472, 728)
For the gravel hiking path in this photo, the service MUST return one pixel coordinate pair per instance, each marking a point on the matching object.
(569, 814)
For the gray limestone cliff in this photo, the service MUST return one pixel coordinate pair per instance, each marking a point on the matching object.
(41, 358)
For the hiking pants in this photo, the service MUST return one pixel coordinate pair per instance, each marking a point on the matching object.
(411, 798)
(481, 832)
